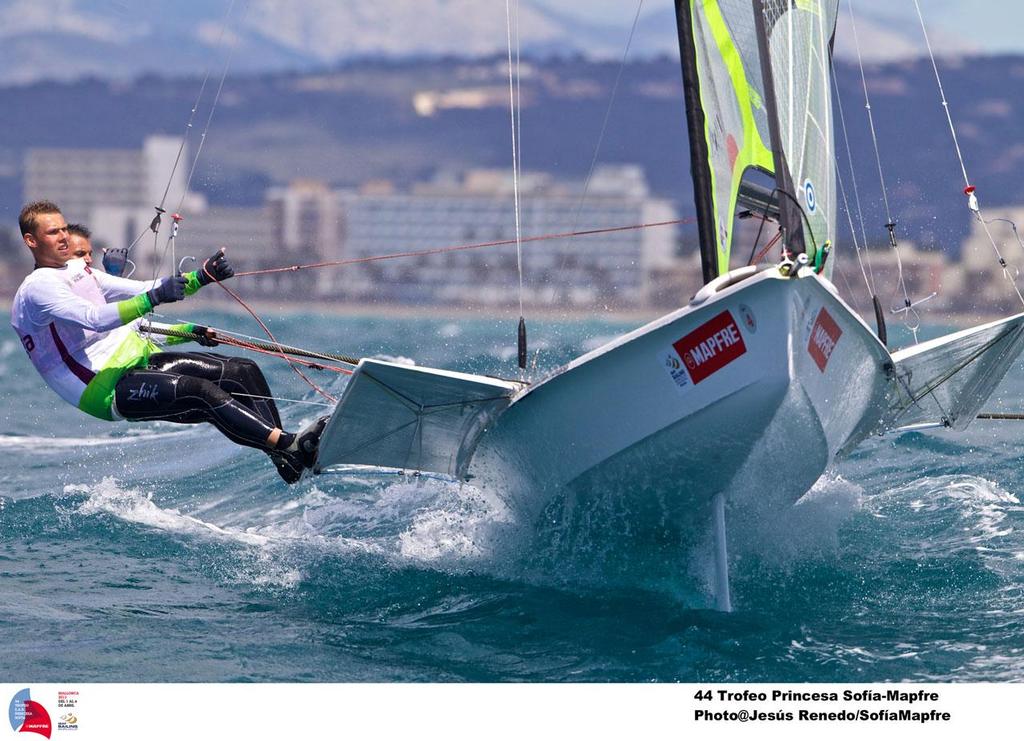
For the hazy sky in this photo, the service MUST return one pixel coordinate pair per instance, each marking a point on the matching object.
(985, 25)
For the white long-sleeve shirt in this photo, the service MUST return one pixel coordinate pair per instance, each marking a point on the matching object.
(80, 329)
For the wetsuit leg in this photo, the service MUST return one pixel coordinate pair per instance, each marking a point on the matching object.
(240, 377)
(145, 394)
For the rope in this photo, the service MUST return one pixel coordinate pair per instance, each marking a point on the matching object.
(972, 199)
(283, 400)
(291, 362)
(890, 224)
(766, 249)
(231, 338)
(457, 248)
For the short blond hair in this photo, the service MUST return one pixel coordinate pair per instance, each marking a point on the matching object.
(27, 217)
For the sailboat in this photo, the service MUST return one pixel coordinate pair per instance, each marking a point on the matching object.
(767, 369)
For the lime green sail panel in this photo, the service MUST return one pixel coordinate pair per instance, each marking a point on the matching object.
(732, 98)
(799, 39)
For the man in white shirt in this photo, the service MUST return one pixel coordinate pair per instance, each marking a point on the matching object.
(80, 329)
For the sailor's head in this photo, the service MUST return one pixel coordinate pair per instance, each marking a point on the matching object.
(81, 242)
(45, 233)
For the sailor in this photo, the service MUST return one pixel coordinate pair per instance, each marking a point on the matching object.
(80, 239)
(80, 328)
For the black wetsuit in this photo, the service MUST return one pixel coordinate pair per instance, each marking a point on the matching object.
(191, 387)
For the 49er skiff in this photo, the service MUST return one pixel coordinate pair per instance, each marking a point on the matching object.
(758, 356)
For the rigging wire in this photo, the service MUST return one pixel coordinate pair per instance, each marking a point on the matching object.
(853, 231)
(176, 216)
(870, 284)
(463, 247)
(192, 115)
(969, 190)
(516, 113)
(912, 319)
(155, 224)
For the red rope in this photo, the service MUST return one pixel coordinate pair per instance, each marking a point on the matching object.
(336, 263)
(764, 250)
(291, 361)
(456, 248)
(243, 345)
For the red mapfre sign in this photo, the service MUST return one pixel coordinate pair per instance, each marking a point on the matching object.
(825, 335)
(711, 347)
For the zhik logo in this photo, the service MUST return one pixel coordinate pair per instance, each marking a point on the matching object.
(145, 391)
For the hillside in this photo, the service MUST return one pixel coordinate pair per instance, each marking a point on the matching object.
(367, 121)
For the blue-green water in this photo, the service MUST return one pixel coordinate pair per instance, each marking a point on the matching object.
(161, 553)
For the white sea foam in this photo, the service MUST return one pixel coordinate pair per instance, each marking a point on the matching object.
(808, 529)
(464, 528)
(960, 511)
(421, 520)
(398, 359)
(133, 505)
(56, 443)
(263, 559)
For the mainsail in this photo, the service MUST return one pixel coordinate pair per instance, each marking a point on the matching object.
(728, 121)
(796, 41)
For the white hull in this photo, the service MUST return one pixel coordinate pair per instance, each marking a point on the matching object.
(619, 418)
(741, 399)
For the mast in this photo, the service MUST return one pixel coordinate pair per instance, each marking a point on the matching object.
(696, 128)
(789, 208)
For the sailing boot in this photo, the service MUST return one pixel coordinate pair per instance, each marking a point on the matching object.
(307, 442)
(300, 454)
(289, 465)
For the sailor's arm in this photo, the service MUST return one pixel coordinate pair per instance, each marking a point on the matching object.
(58, 301)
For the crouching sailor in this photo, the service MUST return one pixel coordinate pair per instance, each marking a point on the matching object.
(80, 328)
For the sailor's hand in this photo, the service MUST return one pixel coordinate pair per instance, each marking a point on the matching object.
(206, 336)
(167, 291)
(216, 268)
(115, 261)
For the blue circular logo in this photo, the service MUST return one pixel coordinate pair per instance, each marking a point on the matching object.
(809, 197)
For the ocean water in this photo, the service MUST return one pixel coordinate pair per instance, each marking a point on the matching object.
(160, 553)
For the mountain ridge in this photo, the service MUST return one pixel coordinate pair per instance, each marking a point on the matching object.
(114, 39)
(360, 122)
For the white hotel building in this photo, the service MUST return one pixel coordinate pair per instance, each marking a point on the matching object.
(114, 193)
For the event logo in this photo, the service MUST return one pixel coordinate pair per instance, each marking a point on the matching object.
(709, 348)
(825, 335)
(749, 320)
(28, 716)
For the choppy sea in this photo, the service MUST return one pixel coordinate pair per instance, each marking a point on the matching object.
(159, 553)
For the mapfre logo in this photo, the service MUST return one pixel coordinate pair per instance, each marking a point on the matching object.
(825, 336)
(711, 347)
(28, 716)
